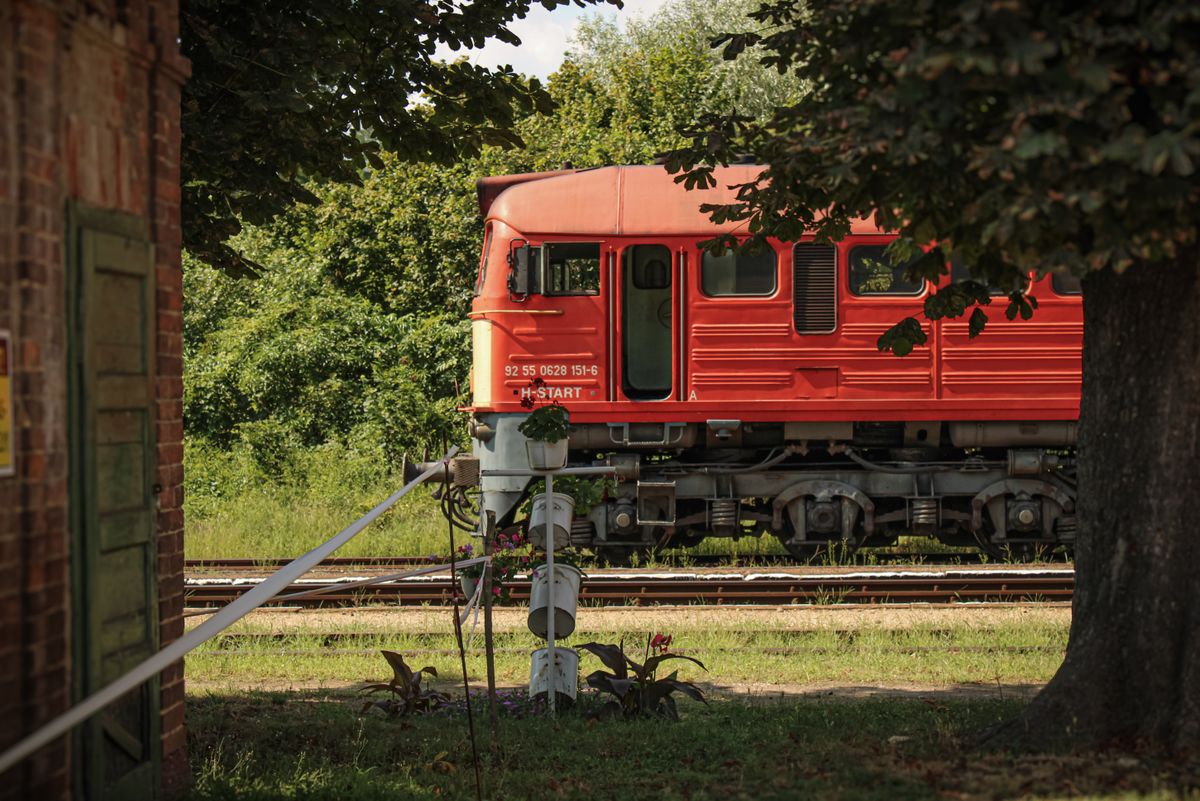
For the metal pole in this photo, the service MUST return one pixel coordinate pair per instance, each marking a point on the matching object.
(489, 532)
(550, 579)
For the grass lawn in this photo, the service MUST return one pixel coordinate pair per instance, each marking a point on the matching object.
(315, 745)
(818, 703)
(255, 654)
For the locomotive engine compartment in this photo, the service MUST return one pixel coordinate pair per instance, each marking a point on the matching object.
(742, 393)
(1006, 487)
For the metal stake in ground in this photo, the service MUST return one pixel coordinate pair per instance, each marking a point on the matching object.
(489, 532)
(552, 689)
(462, 651)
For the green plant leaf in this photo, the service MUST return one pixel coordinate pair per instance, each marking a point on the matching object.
(653, 662)
(374, 688)
(403, 673)
(902, 337)
(690, 690)
(611, 655)
(977, 322)
(606, 682)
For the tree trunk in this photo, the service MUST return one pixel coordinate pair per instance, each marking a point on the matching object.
(1132, 669)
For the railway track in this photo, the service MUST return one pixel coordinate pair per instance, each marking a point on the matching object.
(684, 588)
(707, 560)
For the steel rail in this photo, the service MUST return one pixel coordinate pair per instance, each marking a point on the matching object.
(197, 566)
(718, 590)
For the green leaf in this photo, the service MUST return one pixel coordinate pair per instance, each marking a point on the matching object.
(606, 682)
(690, 690)
(611, 655)
(977, 323)
(402, 673)
(902, 337)
(653, 662)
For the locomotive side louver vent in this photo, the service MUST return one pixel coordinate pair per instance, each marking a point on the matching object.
(814, 288)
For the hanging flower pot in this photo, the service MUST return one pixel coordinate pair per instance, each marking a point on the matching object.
(562, 677)
(546, 455)
(468, 585)
(560, 516)
(546, 431)
(565, 598)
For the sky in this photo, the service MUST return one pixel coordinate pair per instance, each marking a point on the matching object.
(546, 35)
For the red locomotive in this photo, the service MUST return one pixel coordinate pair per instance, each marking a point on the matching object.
(743, 393)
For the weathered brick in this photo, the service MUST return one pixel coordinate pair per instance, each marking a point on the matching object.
(90, 116)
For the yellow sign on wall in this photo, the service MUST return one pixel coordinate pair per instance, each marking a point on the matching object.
(6, 407)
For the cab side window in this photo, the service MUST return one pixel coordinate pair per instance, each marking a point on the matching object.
(873, 273)
(572, 268)
(958, 272)
(734, 274)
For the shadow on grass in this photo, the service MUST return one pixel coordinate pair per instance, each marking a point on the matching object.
(751, 693)
(314, 745)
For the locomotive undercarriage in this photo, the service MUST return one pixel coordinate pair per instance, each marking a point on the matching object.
(1007, 488)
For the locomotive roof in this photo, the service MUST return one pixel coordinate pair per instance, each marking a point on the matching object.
(607, 201)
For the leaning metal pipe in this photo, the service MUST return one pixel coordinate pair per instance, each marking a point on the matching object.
(222, 620)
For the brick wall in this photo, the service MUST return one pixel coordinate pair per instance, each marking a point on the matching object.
(89, 111)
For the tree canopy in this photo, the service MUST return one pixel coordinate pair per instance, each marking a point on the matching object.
(284, 93)
(1015, 137)
(356, 329)
(1012, 136)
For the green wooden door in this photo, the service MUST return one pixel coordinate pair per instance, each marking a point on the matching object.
(115, 594)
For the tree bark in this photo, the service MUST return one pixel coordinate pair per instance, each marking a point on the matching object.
(1132, 668)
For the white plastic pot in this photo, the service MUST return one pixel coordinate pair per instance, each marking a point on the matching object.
(566, 599)
(562, 677)
(546, 455)
(561, 515)
(468, 585)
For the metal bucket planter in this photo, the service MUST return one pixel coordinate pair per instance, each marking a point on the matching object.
(562, 677)
(563, 512)
(566, 599)
(546, 455)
